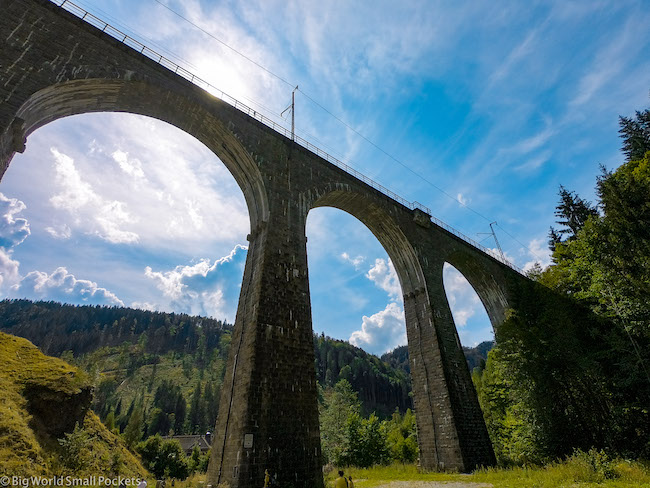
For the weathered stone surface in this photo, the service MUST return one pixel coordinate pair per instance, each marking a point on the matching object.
(53, 65)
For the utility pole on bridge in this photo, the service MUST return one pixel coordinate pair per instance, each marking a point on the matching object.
(292, 107)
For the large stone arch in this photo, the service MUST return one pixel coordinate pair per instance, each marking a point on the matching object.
(384, 228)
(143, 97)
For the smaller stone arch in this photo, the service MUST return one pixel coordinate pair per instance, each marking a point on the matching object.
(451, 432)
(486, 279)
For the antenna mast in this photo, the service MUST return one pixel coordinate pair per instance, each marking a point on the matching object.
(292, 107)
(493, 234)
(497, 241)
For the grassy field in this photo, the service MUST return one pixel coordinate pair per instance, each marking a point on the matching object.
(583, 470)
(580, 471)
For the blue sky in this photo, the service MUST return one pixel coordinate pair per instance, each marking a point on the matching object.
(496, 103)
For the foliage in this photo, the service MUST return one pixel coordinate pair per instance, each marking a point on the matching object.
(572, 366)
(198, 462)
(573, 213)
(339, 404)
(75, 450)
(50, 325)
(636, 135)
(348, 439)
(164, 458)
(507, 418)
(365, 442)
(135, 427)
(401, 437)
(381, 388)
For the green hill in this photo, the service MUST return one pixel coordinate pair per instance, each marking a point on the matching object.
(172, 365)
(46, 425)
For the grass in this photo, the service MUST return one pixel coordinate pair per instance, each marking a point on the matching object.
(579, 471)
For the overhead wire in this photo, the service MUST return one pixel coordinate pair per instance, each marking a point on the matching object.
(132, 32)
(345, 124)
(223, 43)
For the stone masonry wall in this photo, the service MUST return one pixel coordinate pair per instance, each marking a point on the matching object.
(52, 65)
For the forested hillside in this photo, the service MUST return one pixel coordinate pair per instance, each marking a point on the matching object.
(170, 366)
(56, 328)
(398, 358)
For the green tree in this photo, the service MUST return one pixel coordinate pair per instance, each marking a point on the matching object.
(164, 458)
(339, 403)
(110, 421)
(572, 366)
(508, 418)
(196, 416)
(194, 461)
(636, 135)
(75, 450)
(572, 212)
(158, 422)
(135, 427)
(401, 437)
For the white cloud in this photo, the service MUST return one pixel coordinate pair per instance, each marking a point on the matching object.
(59, 232)
(101, 217)
(8, 269)
(173, 191)
(356, 262)
(535, 162)
(13, 230)
(201, 288)
(463, 200)
(521, 52)
(151, 307)
(132, 167)
(615, 56)
(64, 286)
(382, 331)
(383, 275)
(60, 285)
(539, 252)
(532, 143)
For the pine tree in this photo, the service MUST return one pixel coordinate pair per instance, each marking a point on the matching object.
(135, 427)
(195, 417)
(636, 135)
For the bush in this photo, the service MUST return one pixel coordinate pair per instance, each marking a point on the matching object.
(164, 458)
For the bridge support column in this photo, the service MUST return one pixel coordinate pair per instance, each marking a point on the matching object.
(268, 415)
(451, 430)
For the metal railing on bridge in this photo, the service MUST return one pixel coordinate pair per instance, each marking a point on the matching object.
(179, 70)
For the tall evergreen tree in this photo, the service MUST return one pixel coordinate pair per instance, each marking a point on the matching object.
(572, 212)
(135, 427)
(635, 133)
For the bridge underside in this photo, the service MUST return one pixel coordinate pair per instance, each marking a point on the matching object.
(52, 65)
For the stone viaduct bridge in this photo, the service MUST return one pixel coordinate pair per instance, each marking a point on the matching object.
(57, 61)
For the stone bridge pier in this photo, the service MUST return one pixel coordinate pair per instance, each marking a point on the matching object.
(53, 65)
